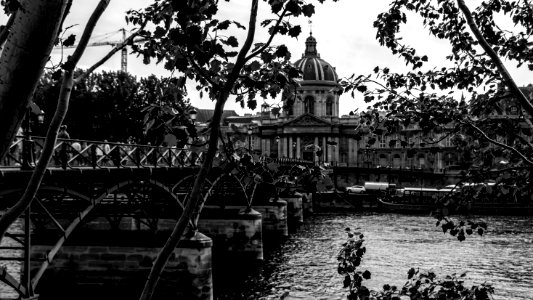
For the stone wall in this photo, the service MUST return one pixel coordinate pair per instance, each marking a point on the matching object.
(274, 219)
(235, 232)
(86, 272)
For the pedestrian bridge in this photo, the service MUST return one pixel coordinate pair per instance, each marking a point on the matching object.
(102, 186)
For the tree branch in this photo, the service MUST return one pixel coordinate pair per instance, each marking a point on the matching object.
(87, 32)
(51, 136)
(270, 38)
(484, 135)
(5, 31)
(511, 84)
(198, 68)
(115, 49)
(194, 200)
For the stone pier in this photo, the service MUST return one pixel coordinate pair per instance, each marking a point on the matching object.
(236, 232)
(97, 271)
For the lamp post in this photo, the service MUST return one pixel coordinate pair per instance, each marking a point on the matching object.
(250, 131)
(192, 115)
(293, 149)
(28, 162)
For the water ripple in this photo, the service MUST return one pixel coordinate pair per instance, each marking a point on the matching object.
(306, 263)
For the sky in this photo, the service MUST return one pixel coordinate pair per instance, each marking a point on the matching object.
(343, 30)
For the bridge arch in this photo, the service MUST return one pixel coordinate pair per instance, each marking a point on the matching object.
(46, 213)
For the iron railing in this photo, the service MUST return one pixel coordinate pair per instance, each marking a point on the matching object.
(71, 153)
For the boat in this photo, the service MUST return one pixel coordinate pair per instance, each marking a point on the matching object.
(385, 205)
(423, 201)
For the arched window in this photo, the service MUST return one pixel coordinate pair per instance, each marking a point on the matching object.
(309, 105)
(329, 106)
(396, 161)
(383, 161)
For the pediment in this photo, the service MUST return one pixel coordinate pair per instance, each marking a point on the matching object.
(306, 120)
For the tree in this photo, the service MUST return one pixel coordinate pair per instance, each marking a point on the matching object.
(29, 39)
(113, 106)
(68, 81)
(422, 96)
(189, 39)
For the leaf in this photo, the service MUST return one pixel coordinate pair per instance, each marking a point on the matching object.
(295, 31)
(347, 281)
(410, 273)
(232, 41)
(69, 41)
(223, 25)
(239, 25)
(366, 274)
(361, 88)
(308, 10)
(294, 8)
(281, 51)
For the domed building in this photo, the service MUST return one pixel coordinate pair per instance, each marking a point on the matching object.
(309, 127)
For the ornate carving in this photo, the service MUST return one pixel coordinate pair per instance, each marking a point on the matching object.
(307, 121)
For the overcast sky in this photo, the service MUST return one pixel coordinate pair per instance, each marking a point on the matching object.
(343, 30)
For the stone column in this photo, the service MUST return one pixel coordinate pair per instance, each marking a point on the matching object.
(298, 147)
(266, 151)
(325, 149)
(315, 159)
(350, 151)
(337, 149)
(290, 147)
(283, 147)
(279, 147)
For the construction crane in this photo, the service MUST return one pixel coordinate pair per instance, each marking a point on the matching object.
(123, 53)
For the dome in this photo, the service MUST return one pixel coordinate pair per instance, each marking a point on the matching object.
(312, 66)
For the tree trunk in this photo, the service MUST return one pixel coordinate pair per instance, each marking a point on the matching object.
(22, 61)
(194, 201)
(509, 81)
(51, 136)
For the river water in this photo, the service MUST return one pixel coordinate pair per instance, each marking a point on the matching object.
(306, 263)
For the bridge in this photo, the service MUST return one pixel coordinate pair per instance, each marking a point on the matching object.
(102, 187)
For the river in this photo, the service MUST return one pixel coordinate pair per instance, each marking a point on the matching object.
(306, 263)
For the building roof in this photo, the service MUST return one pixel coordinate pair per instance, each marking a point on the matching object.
(312, 66)
(205, 115)
(240, 119)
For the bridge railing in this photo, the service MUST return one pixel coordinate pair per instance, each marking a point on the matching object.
(71, 153)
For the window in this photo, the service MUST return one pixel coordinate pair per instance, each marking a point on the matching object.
(396, 161)
(448, 141)
(329, 106)
(382, 141)
(383, 161)
(421, 162)
(309, 105)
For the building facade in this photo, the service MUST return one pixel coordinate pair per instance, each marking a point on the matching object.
(311, 128)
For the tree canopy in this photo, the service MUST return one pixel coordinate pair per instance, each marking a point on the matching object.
(492, 123)
(118, 106)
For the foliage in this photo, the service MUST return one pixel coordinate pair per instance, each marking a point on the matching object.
(266, 179)
(189, 38)
(419, 285)
(492, 129)
(117, 106)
